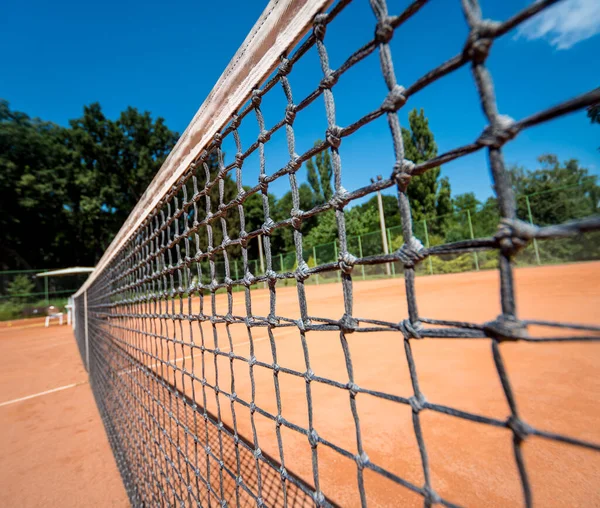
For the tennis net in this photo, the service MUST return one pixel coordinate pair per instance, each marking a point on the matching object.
(170, 341)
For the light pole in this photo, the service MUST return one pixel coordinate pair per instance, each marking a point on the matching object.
(384, 241)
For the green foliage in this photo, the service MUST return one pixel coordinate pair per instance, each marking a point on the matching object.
(75, 185)
(19, 288)
(557, 192)
(13, 309)
(391, 211)
(320, 172)
(112, 163)
(34, 166)
(466, 201)
(324, 232)
(456, 264)
(66, 191)
(429, 196)
(284, 237)
(9, 310)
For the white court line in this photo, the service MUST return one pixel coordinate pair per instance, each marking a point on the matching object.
(47, 392)
(66, 387)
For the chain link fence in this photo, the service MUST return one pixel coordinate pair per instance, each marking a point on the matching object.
(23, 295)
(541, 208)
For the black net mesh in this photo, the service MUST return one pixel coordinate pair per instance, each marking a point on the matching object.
(164, 360)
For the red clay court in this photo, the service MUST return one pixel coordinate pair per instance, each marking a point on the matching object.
(55, 450)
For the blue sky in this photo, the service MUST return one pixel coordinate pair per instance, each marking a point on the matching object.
(165, 58)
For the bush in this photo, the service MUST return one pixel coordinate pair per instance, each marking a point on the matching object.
(19, 288)
(488, 260)
(462, 263)
(9, 310)
(15, 309)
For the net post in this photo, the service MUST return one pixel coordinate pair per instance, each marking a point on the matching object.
(427, 245)
(46, 290)
(315, 261)
(475, 257)
(235, 265)
(85, 327)
(535, 245)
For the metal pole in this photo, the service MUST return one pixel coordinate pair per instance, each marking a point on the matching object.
(237, 276)
(46, 290)
(472, 238)
(427, 245)
(361, 255)
(262, 259)
(85, 325)
(382, 225)
(281, 263)
(335, 250)
(535, 245)
(260, 253)
(315, 259)
(389, 238)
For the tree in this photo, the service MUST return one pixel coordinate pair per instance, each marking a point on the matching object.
(443, 205)
(284, 237)
(466, 201)
(323, 233)
(19, 288)
(33, 175)
(113, 163)
(65, 192)
(429, 196)
(255, 216)
(557, 192)
(320, 173)
(391, 211)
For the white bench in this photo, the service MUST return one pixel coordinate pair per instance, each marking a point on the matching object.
(54, 314)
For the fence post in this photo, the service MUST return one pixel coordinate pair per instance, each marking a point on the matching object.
(335, 250)
(85, 326)
(46, 290)
(389, 237)
(473, 238)
(281, 263)
(362, 267)
(535, 245)
(427, 245)
(315, 260)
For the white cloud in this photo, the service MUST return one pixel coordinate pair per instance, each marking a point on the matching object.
(564, 24)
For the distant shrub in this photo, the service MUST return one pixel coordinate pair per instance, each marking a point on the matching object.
(20, 288)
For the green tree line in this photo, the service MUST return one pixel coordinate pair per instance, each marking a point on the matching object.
(65, 191)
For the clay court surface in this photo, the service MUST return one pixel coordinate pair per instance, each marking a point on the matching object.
(55, 451)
